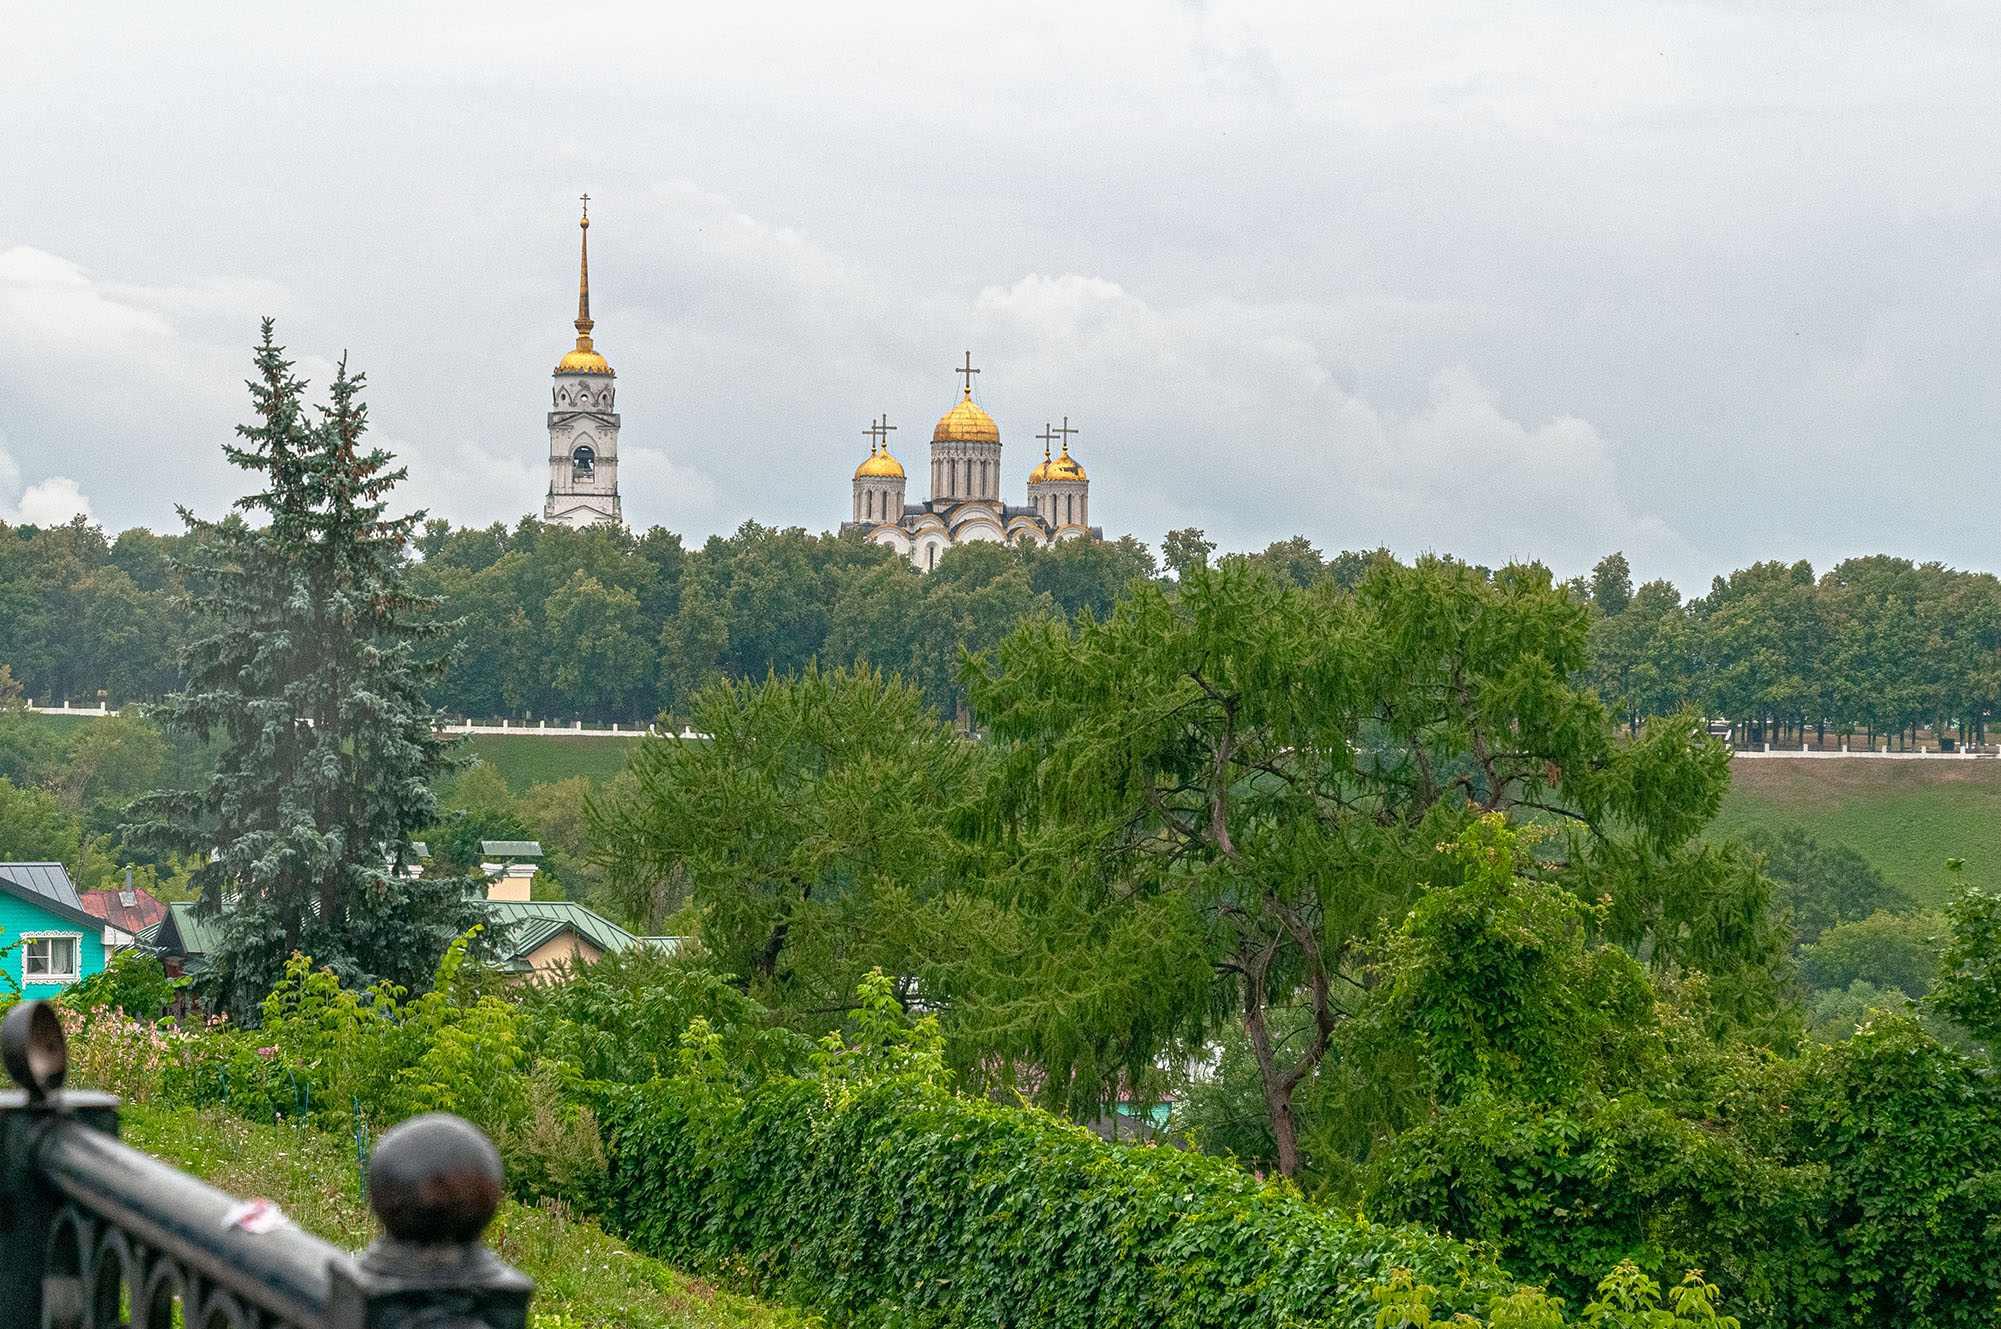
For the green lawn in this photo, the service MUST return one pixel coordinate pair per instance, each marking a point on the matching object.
(582, 1274)
(1905, 817)
(531, 760)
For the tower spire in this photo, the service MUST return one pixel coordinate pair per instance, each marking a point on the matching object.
(584, 323)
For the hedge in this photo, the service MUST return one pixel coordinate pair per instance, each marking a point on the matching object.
(902, 1203)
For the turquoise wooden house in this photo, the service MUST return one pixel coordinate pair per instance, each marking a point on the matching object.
(55, 942)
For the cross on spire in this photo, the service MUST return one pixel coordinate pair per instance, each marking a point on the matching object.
(587, 207)
(968, 371)
(1047, 436)
(879, 430)
(1064, 433)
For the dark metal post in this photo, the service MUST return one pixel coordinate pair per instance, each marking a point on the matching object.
(32, 1045)
(85, 1216)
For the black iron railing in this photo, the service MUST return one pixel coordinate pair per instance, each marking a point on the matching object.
(95, 1234)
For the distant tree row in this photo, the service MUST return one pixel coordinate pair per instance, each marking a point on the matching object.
(606, 625)
(1879, 645)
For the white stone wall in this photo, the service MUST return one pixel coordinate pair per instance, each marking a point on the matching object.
(582, 416)
(1062, 503)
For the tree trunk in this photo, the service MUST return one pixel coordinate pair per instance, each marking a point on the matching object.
(1271, 1081)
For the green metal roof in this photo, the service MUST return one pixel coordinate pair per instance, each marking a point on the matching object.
(520, 926)
(181, 933)
(510, 849)
(530, 923)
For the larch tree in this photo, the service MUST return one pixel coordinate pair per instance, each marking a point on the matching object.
(1214, 801)
(306, 661)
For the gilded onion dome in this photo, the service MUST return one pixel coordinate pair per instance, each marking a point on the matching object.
(584, 359)
(880, 465)
(966, 423)
(1040, 473)
(1064, 467)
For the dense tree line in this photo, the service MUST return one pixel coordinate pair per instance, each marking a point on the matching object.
(605, 624)
(548, 622)
(1878, 645)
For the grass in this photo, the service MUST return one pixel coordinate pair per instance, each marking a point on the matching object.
(1905, 817)
(582, 1275)
(532, 760)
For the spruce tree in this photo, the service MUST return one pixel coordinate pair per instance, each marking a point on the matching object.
(306, 660)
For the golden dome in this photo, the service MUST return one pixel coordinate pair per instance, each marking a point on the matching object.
(966, 423)
(880, 464)
(583, 360)
(1064, 467)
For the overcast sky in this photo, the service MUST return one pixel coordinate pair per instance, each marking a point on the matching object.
(1705, 283)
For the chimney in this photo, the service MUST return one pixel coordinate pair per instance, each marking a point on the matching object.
(510, 883)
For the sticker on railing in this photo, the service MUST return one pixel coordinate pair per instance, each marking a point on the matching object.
(256, 1216)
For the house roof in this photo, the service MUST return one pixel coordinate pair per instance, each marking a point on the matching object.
(510, 848)
(180, 932)
(531, 923)
(519, 927)
(142, 912)
(48, 887)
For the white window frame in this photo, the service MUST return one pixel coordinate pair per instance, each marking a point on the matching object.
(28, 939)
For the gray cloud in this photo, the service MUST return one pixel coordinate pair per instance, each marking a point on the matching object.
(1704, 282)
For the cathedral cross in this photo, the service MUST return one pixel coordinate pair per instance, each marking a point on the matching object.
(1048, 435)
(587, 205)
(880, 430)
(968, 372)
(1064, 433)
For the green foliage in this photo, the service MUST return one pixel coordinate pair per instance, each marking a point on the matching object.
(1497, 979)
(1215, 797)
(1898, 951)
(1626, 1299)
(1855, 1186)
(1816, 886)
(1969, 978)
(82, 615)
(584, 1278)
(900, 1203)
(810, 828)
(307, 655)
(132, 983)
(882, 1046)
(621, 1019)
(34, 827)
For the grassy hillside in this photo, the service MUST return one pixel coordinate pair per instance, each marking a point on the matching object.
(531, 760)
(1905, 817)
(580, 1273)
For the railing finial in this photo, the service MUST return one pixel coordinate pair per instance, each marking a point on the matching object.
(34, 1049)
(435, 1180)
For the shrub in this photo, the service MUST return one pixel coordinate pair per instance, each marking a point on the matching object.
(876, 1194)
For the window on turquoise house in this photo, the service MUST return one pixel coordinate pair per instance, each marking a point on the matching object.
(52, 958)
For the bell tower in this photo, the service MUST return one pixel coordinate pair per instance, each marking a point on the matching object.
(583, 426)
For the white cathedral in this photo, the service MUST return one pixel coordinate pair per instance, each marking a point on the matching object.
(965, 503)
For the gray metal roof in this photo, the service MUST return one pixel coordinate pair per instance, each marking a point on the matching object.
(510, 848)
(47, 885)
